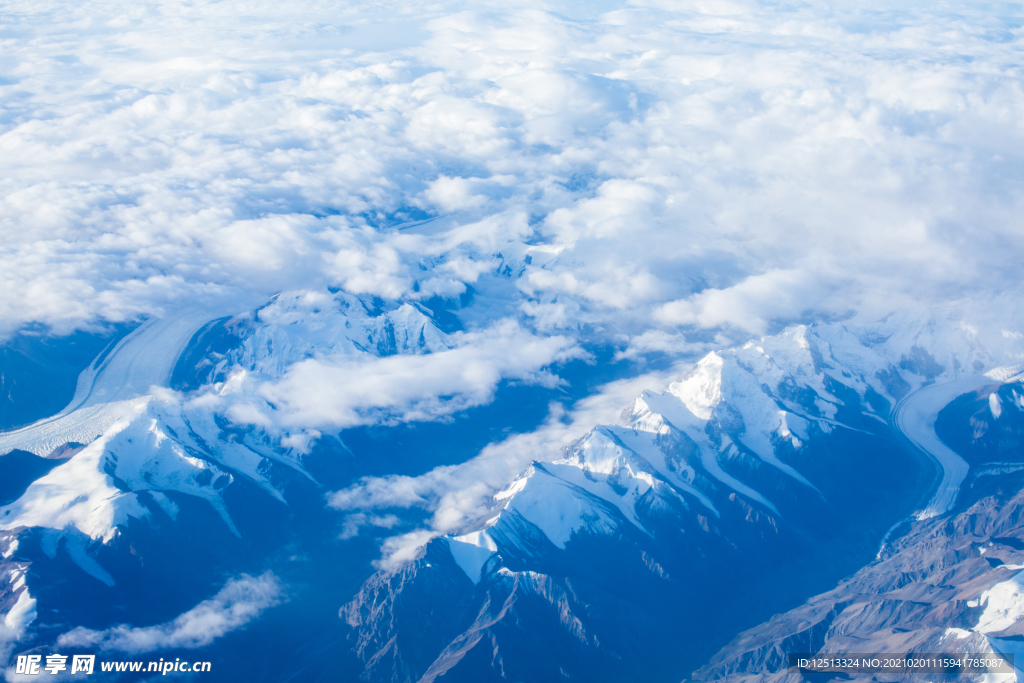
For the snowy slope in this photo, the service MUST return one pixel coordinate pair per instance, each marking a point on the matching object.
(764, 401)
(296, 326)
(140, 436)
(764, 471)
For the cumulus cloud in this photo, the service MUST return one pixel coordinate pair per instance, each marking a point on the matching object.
(239, 602)
(335, 393)
(693, 164)
(660, 342)
(452, 194)
(751, 303)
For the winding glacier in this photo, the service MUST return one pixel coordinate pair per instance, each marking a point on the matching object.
(914, 417)
(115, 384)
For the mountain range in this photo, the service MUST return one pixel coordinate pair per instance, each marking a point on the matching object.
(828, 487)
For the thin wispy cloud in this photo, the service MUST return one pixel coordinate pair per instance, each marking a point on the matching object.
(239, 602)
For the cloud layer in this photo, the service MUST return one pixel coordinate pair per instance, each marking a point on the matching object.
(684, 164)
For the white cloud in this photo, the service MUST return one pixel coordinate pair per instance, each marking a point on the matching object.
(642, 169)
(239, 602)
(660, 341)
(452, 194)
(335, 393)
(750, 304)
(681, 155)
(354, 522)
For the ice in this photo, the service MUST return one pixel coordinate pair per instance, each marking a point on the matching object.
(914, 416)
(115, 388)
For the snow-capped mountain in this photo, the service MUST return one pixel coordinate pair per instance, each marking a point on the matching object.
(949, 583)
(754, 482)
(764, 405)
(157, 441)
(764, 471)
(133, 474)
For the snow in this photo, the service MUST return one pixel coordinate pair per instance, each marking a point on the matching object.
(81, 493)
(709, 460)
(825, 408)
(708, 455)
(1004, 605)
(621, 489)
(1005, 374)
(77, 493)
(595, 488)
(761, 400)
(1007, 646)
(21, 614)
(755, 399)
(297, 326)
(956, 633)
(166, 504)
(792, 426)
(743, 387)
(739, 383)
(141, 436)
(702, 390)
(471, 551)
(128, 425)
(994, 405)
(557, 507)
(77, 545)
(746, 383)
(646, 439)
